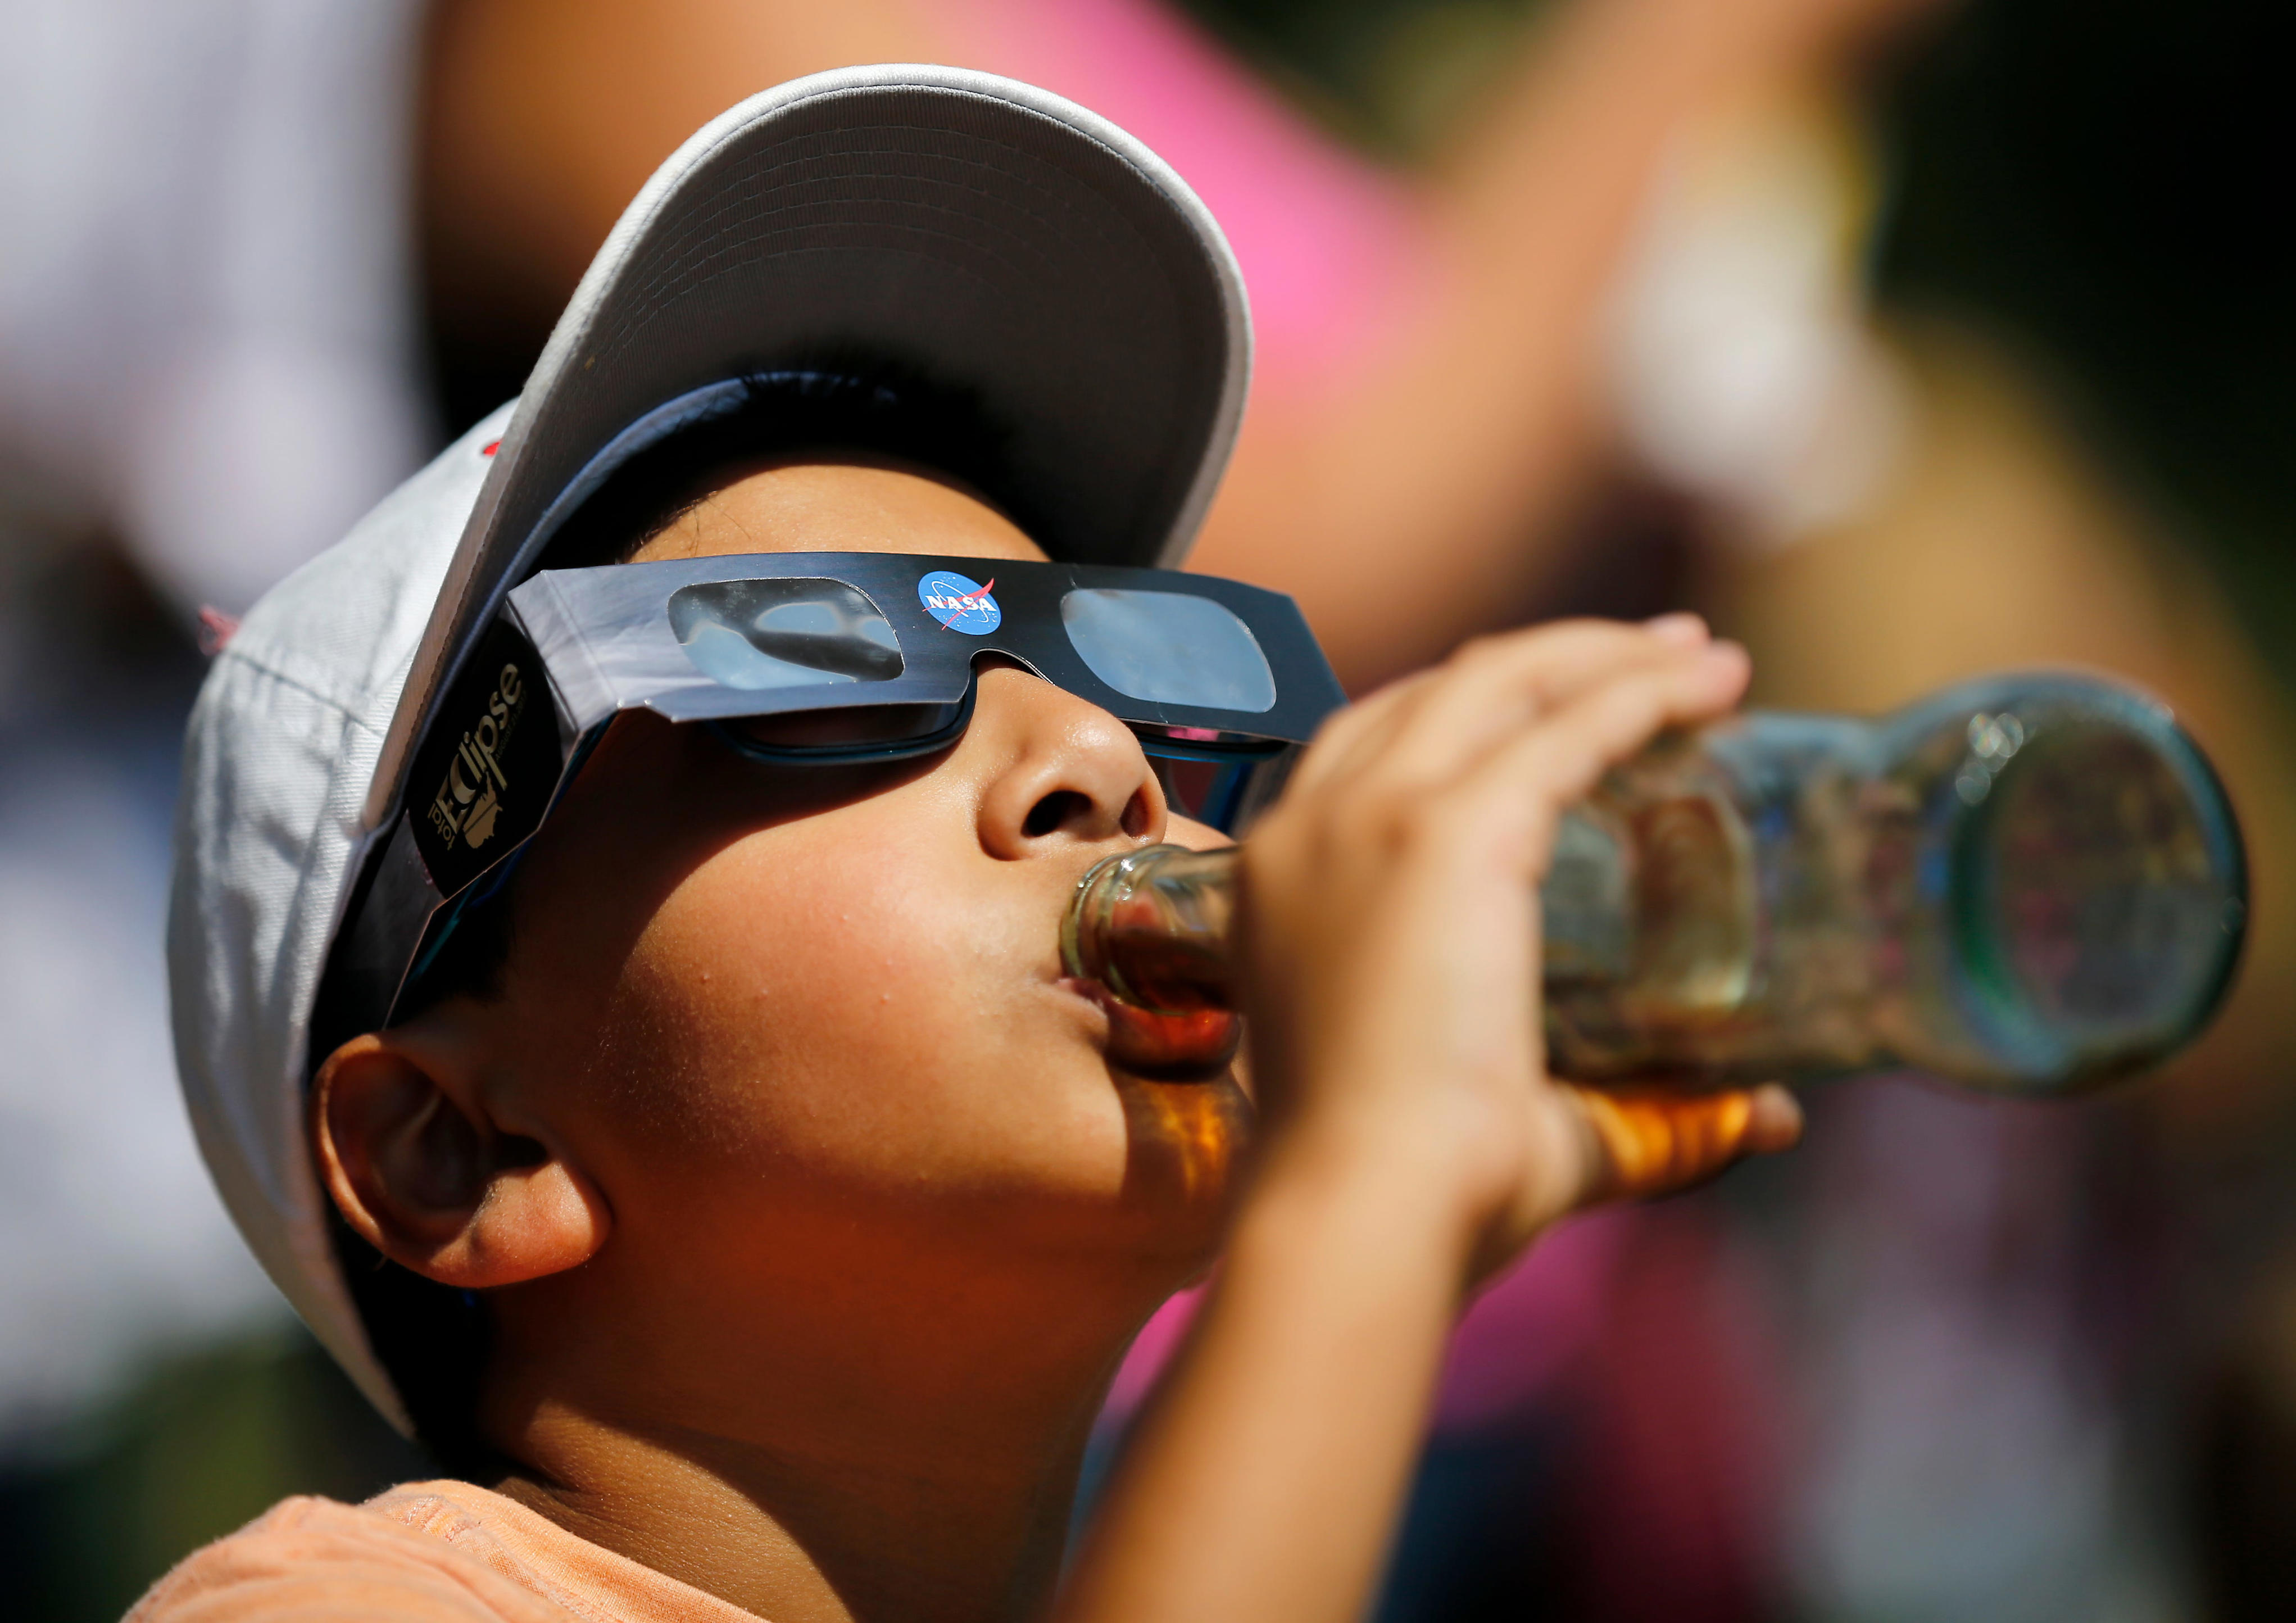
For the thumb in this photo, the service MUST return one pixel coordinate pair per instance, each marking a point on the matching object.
(1652, 1143)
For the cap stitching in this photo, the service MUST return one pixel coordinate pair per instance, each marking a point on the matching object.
(347, 708)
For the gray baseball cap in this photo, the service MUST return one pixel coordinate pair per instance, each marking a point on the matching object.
(973, 231)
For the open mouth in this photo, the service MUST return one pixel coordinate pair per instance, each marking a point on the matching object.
(1156, 1046)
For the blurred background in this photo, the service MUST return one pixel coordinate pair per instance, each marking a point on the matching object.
(1904, 337)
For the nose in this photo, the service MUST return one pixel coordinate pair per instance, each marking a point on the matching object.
(1063, 773)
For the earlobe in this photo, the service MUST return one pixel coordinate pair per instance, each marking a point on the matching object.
(419, 1169)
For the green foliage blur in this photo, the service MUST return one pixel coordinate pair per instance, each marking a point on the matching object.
(1396, 78)
(205, 1443)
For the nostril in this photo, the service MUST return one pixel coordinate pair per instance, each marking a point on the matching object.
(1055, 811)
(512, 1151)
(1139, 816)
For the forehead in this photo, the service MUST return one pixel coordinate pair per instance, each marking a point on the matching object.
(839, 507)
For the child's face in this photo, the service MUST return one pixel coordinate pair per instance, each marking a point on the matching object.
(802, 1026)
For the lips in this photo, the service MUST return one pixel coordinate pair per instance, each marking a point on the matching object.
(1195, 1045)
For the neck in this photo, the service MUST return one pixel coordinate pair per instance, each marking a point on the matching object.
(924, 1476)
(806, 1540)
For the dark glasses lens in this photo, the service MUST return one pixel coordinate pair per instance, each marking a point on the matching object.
(804, 632)
(1223, 785)
(861, 728)
(1169, 648)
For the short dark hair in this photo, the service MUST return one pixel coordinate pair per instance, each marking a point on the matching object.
(435, 1340)
(878, 409)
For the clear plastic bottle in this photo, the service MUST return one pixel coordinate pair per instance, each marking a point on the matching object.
(2028, 884)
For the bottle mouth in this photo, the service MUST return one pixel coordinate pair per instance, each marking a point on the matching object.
(2100, 892)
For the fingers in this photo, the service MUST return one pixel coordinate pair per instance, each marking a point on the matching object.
(1392, 923)
(1425, 729)
(1523, 785)
(1431, 721)
(1500, 688)
(1654, 1143)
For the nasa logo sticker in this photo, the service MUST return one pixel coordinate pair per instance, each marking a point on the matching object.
(959, 603)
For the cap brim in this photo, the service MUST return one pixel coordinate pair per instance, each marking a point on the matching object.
(980, 233)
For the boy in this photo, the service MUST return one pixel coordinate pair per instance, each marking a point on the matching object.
(614, 940)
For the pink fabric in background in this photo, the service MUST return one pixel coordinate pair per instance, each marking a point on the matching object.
(1330, 245)
(1530, 1330)
(1520, 1340)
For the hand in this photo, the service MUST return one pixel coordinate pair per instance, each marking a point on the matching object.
(1391, 920)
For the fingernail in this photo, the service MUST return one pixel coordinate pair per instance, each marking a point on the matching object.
(1777, 1118)
(1686, 628)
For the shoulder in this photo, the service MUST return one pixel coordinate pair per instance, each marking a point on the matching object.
(314, 1559)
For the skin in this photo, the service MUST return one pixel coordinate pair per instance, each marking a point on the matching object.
(814, 1216)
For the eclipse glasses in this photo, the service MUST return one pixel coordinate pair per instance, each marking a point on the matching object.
(802, 659)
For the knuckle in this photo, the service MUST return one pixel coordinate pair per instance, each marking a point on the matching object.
(1404, 825)
(1332, 734)
(1399, 824)
(1468, 662)
(1635, 706)
(1489, 648)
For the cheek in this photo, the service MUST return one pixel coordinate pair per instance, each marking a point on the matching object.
(887, 1021)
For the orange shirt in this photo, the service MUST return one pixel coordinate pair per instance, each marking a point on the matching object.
(425, 1553)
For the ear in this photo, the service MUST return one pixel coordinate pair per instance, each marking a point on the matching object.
(431, 1177)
